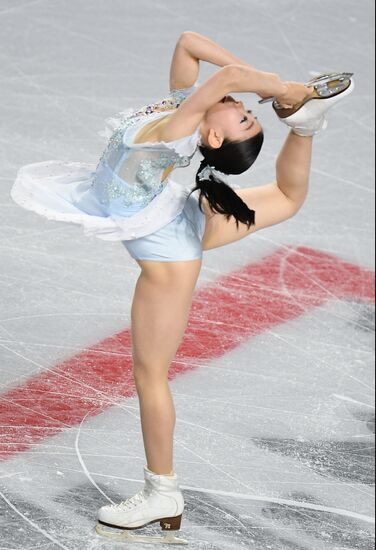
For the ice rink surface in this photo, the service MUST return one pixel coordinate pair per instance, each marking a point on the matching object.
(273, 384)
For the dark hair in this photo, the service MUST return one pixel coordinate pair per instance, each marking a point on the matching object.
(233, 157)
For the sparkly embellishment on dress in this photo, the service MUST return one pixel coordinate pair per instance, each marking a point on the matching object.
(114, 190)
(147, 184)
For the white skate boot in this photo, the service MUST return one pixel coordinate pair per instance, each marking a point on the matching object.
(308, 117)
(159, 501)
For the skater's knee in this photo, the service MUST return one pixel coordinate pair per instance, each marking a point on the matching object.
(149, 374)
(171, 273)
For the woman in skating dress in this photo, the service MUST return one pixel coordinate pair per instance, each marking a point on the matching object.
(131, 196)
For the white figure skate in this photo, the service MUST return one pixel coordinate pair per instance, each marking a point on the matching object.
(308, 117)
(159, 501)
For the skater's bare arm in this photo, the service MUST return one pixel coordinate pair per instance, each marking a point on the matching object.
(192, 48)
(232, 78)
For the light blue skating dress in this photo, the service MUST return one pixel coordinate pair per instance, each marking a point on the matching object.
(123, 197)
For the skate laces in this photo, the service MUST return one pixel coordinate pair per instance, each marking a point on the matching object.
(132, 502)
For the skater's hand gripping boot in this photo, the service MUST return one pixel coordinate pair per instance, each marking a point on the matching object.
(295, 94)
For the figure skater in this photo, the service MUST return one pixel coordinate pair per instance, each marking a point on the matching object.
(131, 197)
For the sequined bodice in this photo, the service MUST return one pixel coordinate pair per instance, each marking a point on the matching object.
(132, 176)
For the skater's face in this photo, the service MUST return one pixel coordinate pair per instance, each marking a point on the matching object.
(229, 119)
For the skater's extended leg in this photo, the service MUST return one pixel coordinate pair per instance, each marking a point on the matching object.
(279, 201)
(274, 202)
(160, 312)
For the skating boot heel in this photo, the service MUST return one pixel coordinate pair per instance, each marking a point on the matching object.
(308, 117)
(171, 524)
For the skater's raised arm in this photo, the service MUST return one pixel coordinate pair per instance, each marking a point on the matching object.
(232, 78)
(192, 48)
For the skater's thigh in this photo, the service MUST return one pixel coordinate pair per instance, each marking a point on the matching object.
(160, 312)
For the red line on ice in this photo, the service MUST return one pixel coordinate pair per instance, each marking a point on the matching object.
(236, 307)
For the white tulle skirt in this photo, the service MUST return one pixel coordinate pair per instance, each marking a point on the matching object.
(63, 191)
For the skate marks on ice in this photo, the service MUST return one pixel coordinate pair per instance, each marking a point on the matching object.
(210, 522)
(364, 411)
(277, 526)
(24, 525)
(366, 317)
(78, 505)
(350, 460)
(342, 460)
(27, 526)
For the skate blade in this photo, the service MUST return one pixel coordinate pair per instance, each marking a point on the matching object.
(120, 535)
(323, 85)
(321, 92)
(332, 85)
(323, 79)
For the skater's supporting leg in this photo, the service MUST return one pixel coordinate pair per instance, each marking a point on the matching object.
(160, 312)
(273, 203)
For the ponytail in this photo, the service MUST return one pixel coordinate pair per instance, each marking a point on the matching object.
(222, 198)
(233, 157)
